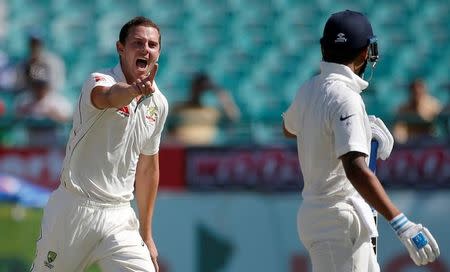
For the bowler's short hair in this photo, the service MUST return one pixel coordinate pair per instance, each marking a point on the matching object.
(137, 21)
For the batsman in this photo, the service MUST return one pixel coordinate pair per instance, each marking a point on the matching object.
(334, 132)
(111, 157)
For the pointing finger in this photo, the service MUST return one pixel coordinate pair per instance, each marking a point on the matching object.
(152, 75)
(148, 88)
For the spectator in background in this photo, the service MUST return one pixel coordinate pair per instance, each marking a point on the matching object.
(415, 117)
(196, 121)
(43, 110)
(38, 54)
(39, 101)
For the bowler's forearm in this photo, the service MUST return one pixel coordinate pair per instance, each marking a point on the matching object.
(146, 192)
(116, 96)
(121, 94)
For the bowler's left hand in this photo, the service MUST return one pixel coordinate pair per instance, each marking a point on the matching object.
(153, 253)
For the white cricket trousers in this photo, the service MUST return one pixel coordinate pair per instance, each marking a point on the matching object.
(77, 232)
(335, 238)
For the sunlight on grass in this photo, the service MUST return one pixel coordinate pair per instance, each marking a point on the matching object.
(20, 229)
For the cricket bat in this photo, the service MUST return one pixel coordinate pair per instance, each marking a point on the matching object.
(373, 167)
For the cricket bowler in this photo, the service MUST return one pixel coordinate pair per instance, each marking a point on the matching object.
(333, 132)
(112, 153)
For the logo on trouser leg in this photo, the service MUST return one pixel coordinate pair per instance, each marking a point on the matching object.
(51, 256)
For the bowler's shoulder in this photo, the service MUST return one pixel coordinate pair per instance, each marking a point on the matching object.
(160, 97)
(101, 78)
(103, 75)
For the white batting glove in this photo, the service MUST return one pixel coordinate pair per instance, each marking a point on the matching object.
(419, 242)
(384, 137)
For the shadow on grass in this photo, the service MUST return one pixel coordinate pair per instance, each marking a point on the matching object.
(13, 265)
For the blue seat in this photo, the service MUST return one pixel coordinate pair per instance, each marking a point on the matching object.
(262, 51)
(72, 31)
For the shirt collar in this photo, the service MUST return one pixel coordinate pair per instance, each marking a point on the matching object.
(117, 70)
(343, 73)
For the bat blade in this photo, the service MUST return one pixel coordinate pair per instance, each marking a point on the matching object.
(373, 167)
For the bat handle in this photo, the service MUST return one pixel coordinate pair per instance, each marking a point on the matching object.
(373, 155)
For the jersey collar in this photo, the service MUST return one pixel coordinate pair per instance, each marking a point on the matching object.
(334, 71)
(117, 70)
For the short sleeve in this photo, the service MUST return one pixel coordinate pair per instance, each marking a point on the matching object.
(151, 146)
(349, 127)
(94, 80)
(290, 117)
(60, 106)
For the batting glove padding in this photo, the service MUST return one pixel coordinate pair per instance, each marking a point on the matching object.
(419, 242)
(384, 137)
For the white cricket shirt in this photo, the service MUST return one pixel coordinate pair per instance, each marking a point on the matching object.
(329, 119)
(104, 145)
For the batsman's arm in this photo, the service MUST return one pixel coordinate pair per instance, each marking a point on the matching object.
(418, 240)
(367, 184)
(147, 181)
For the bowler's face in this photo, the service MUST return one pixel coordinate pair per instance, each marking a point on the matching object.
(140, 52)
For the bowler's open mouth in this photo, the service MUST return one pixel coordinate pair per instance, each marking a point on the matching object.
(141, 63)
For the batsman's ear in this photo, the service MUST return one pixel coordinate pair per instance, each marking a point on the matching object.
(364, 55)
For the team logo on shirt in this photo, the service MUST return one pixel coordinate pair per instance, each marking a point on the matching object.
(51, 256)
(346, 117)
(152, 114)
(124, 112)
(99, 78)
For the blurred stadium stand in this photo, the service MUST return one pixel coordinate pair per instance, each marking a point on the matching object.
(260, 50)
